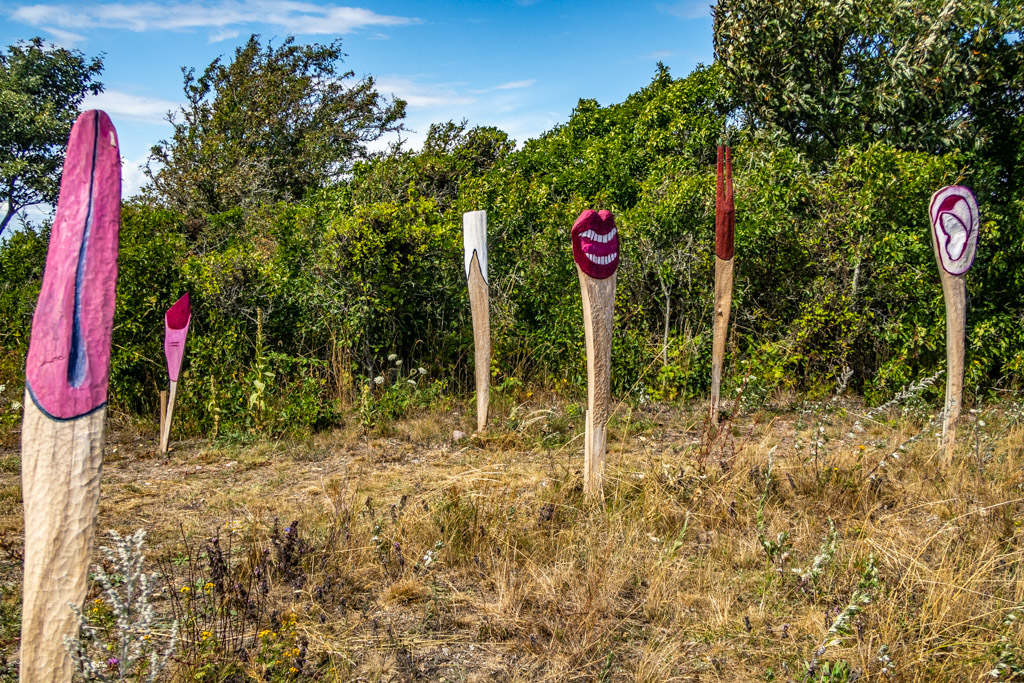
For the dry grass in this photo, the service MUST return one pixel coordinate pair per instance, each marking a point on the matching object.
(481, 560)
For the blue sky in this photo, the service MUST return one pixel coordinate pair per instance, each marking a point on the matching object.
(520, 66)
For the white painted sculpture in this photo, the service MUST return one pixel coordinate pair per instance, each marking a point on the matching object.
(474, 240)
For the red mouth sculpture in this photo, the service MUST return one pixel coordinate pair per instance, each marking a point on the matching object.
(595, 243)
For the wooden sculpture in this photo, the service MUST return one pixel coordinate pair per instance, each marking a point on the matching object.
(595, 249)
(176, 322)
(474, 239)
(955, 223)
(66, 397)
(725, 228)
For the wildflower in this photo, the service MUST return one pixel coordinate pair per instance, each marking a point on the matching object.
(185, 589)
(206, 635)
(422, 371)
(411, 382)
(392, 357)
(208, 587)
(113, 662)
(862, 446)
(379, 379)
(293, 670)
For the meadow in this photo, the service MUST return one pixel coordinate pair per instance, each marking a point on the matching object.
(818, 541)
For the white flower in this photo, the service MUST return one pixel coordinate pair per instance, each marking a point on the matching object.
(398, 363)
(392, 356)
(378, 380)
(411, 381)
(422, 371)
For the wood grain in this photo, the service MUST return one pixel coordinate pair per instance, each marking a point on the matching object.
(165, 437)
(61, 468)
(954, 290)
(163, 413)
(723, 305)
(598, 318)
(479, 298)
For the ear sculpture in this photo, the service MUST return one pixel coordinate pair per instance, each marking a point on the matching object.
(725, 228)
(954, 230)
(474, 239)
(66, 397)
(176, 322)
(595, 249)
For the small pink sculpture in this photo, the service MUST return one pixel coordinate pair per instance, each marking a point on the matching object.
(176, 322)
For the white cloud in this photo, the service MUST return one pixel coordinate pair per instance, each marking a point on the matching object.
(64, 38)
(688, 9)
(133, 176)
(132, 107)
(302, 18)
(512, 85)
(223, 34)
(658, 54)
(423, 95)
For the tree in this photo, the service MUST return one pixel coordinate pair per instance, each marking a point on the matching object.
(41, 89)
(271, 125)
(924, 75)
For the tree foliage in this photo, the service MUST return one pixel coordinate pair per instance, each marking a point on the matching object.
(41, 89)
(302, 305)
(273, 124)
(925, 75)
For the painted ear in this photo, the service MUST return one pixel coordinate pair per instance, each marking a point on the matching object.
(955, 225)
(68, 360)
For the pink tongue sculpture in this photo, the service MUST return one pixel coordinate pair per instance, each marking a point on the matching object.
(176, 322)
(66, 377)
(595, 249)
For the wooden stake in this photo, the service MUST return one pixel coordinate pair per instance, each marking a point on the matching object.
(163, 412)
(474, 239)
(166, 435)
(954, 230)
(725, 228)
(66, 375)
(595, 247)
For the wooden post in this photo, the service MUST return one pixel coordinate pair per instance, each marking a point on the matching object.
(163, 412)
(66, 375)
(595, 249)
(474, 240)
(176, 322)
(725, 228)
(954, 230)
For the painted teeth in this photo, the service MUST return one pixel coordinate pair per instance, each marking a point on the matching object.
(603, 239)
(603, 260)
